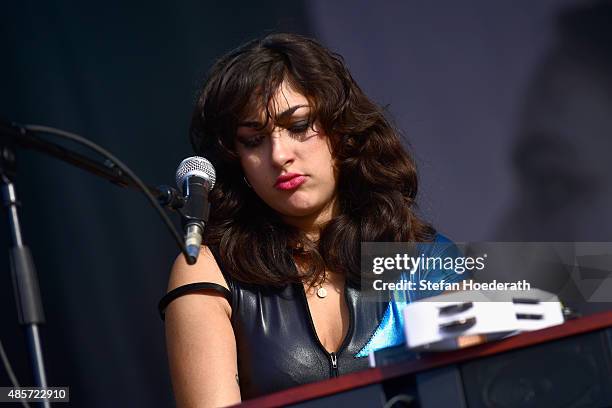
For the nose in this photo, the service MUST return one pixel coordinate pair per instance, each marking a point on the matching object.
(282, 150)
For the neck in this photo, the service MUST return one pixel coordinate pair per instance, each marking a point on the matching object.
(312, 224)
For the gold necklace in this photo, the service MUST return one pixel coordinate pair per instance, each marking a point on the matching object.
(322, 292)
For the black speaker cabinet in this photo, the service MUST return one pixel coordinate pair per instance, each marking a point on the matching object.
(572, 372)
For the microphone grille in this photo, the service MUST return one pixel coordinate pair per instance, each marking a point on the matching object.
(195, 166)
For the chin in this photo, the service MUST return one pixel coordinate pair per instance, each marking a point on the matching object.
(298, 212)
(300, 205)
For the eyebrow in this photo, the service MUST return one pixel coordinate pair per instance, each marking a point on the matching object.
(280, 117)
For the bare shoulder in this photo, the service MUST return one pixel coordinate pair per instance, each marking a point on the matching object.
(205, 269)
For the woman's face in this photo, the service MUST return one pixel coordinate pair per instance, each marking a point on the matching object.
(289, 164)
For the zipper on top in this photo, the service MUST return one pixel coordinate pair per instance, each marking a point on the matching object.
(333, 357)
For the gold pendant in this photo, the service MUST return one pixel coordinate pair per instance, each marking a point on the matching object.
(321, 292)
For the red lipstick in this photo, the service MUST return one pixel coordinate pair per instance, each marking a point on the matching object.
(289, 181)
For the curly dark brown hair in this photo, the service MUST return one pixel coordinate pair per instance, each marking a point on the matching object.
(377, 179)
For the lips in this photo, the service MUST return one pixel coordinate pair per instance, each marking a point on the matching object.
(289, 181)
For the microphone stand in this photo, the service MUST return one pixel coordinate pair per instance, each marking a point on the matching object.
(25, 281)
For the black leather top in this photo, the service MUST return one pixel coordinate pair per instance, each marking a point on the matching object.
(276, 341)
(277, 344)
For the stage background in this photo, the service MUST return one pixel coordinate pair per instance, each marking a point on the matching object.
(505, 105)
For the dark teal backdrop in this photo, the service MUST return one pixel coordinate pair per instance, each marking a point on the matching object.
(123, 74)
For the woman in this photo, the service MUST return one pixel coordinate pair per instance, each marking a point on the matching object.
(307, 168)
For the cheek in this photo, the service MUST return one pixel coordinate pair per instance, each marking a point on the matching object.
(254, 170)
(250, 164)
(327, 163)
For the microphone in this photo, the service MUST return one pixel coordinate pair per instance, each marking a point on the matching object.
(195, 177)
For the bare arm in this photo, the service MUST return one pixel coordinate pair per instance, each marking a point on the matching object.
(200, 339)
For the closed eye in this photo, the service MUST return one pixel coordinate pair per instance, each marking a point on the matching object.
(298, 130)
